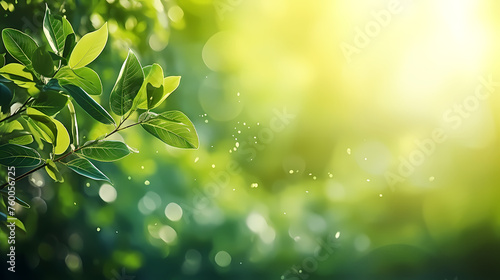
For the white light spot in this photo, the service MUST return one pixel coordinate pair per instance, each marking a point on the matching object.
(222, 259)
(173, 211)
(167, 234)
(107, 193)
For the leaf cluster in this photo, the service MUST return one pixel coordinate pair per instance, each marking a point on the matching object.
(47, 79)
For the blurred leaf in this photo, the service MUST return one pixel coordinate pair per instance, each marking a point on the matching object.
(63, 140)
(89, 105)
(6, 96)
(19, 45)
(127, 85)
(53, 29)
(84, 77)
(49, 102)
(85, 168)
(45, 123)
(19, 201)
(53, 171)
(172, 127)
(2, 60)
(18, 74)
(153, 74)
(42, 62)
(89, 47)
(19, 156)
(53, 84)
(106, 150)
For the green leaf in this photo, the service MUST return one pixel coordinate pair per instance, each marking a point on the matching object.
(18, 74)
(53, 171)
(153, 74)
(37, 133)
(42, 62)
(172, 127)
(89, 105)
(19, 45)
(13, 132)
(6, 96)
(19, 201)
(49, 102)
(89, 47)
(105, 150)
(53, 84)
(127, 85)
(53, 30)
(63, 140)
(2, 60)
(85, 168)
(69, 45)
(84, 77)
(19, 156)
(45, 123)
(67, 28)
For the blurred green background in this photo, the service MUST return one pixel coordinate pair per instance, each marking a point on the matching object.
(339, 140)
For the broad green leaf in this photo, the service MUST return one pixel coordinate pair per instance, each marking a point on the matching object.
(89, 47)
(172, 127)
(38, 134)
(127, 85)
(19, 156)
(13, 132)
(18, 74)
(105, 150)
(45, 123)
(69, 45)
(89, 105)
(2, 60)
(53, 171)
(53, 30)
(156, 96)
(19, 45)
(49, 102)
(42, 62)
(19, 201)
(67, 28)
(84, 77)
(63, 140)
(8, 219)
(153, 74)
(85, 168)
(6, 96)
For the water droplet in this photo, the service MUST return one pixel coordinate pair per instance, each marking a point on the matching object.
(239, 131)
(129, 177)
(238, 94)
(330, 175)
(88, 185)
(74, 203)
(348, 151)
(213, 165)
(116, 232)
(254, 185)
(258, 123)
(206, 121)
(196, 159)
(147, 182)
(237, 144)
(98, 229)
(291, 171)
(380, 195)
(314, 177)
(368, 180)
(244, 123)
(337, 235)
(142, 166)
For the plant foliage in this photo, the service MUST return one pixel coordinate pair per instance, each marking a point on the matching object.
(47, 79)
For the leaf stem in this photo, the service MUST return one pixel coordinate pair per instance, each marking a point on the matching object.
(19, 110)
